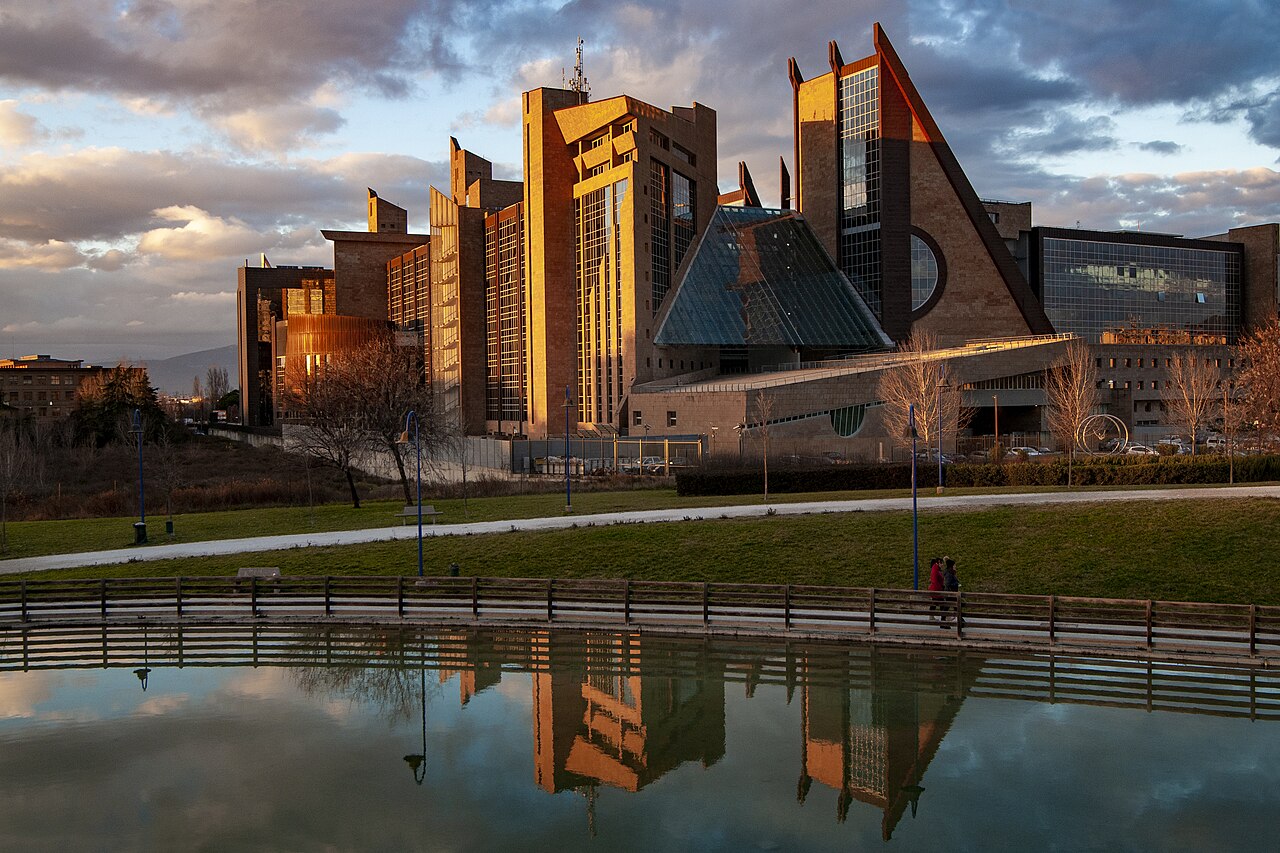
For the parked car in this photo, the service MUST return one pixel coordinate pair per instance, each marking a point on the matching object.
(1141, 450)
(1216, 443)
(1028, 451)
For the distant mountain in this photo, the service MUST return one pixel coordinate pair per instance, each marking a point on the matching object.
(174, 375)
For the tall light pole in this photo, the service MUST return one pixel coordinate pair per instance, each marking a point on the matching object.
(714, 430)
(412, 417)
(942, 383)
(995, 407)
(140, 529)
(568, 493)
(417, 761)
(915, 515)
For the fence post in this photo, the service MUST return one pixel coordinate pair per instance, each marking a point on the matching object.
(959, 615)
(24, 601)
(706, 604)
(104, 598)
(475, 597)
(400, 596)
(253, 596)
(1148, 623)
(550, 601)
(871, 615)
(1253, 630)
(177, 595)
(626, 589)
(328, 603)
(786, 607)
(1053, 600)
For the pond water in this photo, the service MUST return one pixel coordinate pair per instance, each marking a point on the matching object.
(342, 739)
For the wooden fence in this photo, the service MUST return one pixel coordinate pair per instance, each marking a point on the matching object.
(1157, 628)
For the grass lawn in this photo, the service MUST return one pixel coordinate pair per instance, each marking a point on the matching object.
(37, 538)
(1219, 550)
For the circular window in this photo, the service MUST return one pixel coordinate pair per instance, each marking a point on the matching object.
(924, 272)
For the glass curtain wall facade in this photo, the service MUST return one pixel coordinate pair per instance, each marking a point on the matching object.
(598, 231)
(409, 298)
(660, 231)
(506, 375)
(859, 121)
(1106, 290)
(446, 361)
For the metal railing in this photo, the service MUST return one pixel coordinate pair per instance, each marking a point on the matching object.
(1197, 688)
(1148, 628)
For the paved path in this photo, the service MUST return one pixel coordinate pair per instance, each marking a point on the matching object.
(928, 503)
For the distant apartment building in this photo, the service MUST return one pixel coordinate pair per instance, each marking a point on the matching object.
(43, 386)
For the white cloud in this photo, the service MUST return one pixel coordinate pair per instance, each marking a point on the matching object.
(278, 129)
(227, 297)
(201, 236)
(17, 129)
(49, 255)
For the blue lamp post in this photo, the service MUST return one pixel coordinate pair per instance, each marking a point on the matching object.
(140, 529)
(412, 417)
(915, 517)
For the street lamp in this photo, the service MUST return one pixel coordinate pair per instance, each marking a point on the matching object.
(412, 417)
(995, 408)
(140, 529)
(568, 493)
(417, 761)
(915, 527)
(942, 384)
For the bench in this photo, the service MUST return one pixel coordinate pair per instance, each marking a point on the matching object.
(258, 572)
(410, 512)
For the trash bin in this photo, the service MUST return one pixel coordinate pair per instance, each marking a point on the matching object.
(139, 533)
(453, 570)
(168, 527)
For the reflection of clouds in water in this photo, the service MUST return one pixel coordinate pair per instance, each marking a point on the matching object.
(514, 689)
(20, 692)
(165, 704)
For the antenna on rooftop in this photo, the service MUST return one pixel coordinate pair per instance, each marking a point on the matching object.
(579, 82)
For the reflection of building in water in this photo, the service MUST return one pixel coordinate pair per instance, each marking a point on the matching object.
(870, 737)
(473, 658)
(597, 718)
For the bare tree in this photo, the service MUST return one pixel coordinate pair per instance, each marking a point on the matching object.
(216, 384)
(919, 380)
(1191, 390)
(332, 425)
(169, 469)
(1258, 385)
(384, 381)
(764, 411)
(1070, 390)
(16, 454)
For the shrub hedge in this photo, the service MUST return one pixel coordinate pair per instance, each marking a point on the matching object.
(1104, 471)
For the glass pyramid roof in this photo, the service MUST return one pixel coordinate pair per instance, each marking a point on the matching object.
(760, 277)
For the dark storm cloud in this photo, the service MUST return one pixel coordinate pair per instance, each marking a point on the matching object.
(1160, 146)
(217, 51)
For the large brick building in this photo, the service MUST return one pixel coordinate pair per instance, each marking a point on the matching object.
(614, 290)
(43, 386)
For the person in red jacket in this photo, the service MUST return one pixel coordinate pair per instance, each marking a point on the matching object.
(936, 585)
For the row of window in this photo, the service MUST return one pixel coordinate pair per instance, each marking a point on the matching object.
(41, 396)
(637, 418)
(1155, 362)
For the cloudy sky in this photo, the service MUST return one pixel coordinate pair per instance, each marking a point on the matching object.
(148, 148)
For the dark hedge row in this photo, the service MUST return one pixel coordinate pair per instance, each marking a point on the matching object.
(1119, 471)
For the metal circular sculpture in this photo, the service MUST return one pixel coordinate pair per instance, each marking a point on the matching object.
(1097, 430)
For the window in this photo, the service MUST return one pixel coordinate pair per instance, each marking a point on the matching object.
(1155, 384)
(1112, 362)
(1128, 362)
(658, 139)
(637, 418)
(1140, 384)
(924, 272)
(685, 154)
(671, 419)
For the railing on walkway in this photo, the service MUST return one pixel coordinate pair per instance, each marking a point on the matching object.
(1184, 687)
(1150, 627)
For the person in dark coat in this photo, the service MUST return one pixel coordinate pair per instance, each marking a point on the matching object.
(950, 580)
